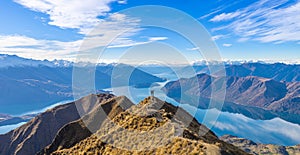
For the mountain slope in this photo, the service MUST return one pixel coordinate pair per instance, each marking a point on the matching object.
(41, 130)
(42, 83)
(254, 148)
(15, 61)
(151, 127)
(277, 71)
(248, 91)
(84, 127)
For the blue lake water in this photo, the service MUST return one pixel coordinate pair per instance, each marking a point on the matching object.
(7, 128)
(48, 107)
(274, 131)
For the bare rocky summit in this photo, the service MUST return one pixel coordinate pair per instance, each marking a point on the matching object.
(114, 125)
(151, 127)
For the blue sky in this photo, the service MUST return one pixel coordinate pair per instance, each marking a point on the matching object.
(243, 30)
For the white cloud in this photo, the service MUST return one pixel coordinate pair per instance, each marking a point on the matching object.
(122, 1)
(224, 126)
(15, 40)
(292, 128)
(225, 16)
(220, 8)
(38, 49)
(129, 43)
(114, 31)
(243, 39)
(217, 37)
(262, 131)
(227, 45)
(158, 38)
(77, 14)
(193, 49)
(264, 21)
(126, 42)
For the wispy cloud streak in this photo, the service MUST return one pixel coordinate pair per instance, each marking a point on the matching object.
(264, 21)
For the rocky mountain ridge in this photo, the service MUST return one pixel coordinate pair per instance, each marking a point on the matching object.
(151, 127)
(107, 122)
(41, 130)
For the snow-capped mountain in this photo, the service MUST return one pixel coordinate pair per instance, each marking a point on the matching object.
(15, 61)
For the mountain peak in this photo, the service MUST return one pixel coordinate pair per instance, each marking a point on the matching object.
(152, 126)
(16, 61)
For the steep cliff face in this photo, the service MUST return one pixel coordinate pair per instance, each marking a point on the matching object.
(255, 148)
(41, 130)
(151, 127)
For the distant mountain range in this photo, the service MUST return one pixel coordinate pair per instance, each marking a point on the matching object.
(41, 83)
(256, 90)
(242, 94)
(275, 71)
(61, 130)
(32, 84)
(15, 61)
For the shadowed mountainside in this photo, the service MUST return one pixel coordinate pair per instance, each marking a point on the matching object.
(255, 97)
(114, 125)
(276, 71)
(42, 83)
(250, 91)
(151, 127)
(91, 122)
(41, 130)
